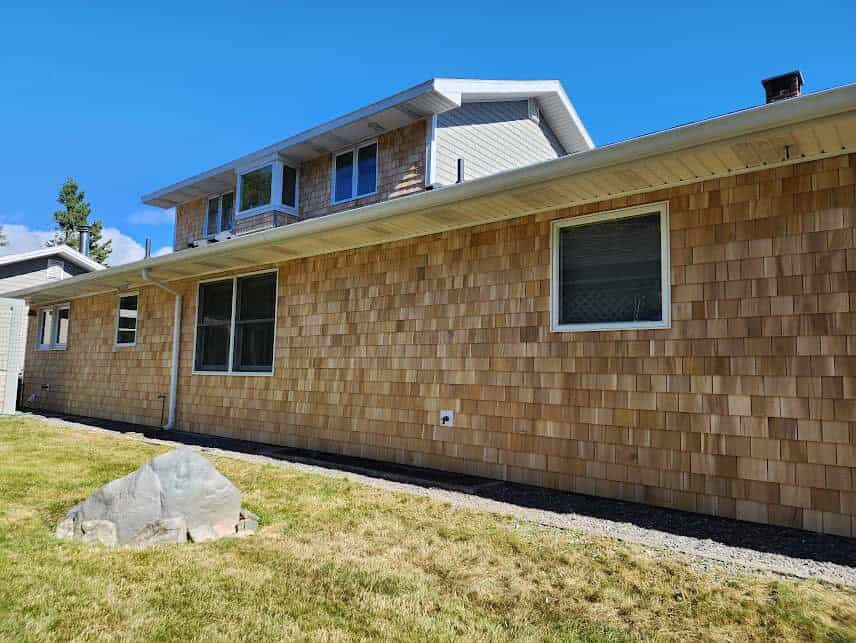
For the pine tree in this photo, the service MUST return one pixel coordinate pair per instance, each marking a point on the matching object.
(3, 241)
(76, 213)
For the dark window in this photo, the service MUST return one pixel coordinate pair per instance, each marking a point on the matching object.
(344, 176)
(289, 186)
(611, 271)
(221, 214)
(254, 326)
(213, 326)
(126, 328)
(256, 187)
(350, 182)
(367, 169)
(211, 222)
(253, 299)
(227, 211)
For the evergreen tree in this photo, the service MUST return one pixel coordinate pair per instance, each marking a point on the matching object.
(76, 213)
(2, 237)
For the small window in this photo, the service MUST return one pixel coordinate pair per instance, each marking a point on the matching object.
(355, 173)
(53, 327)
(289, 186)
(221, 214)
(611, 271)
(126, 323)
(256, 187)
(236, 324)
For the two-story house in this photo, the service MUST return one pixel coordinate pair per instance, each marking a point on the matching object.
(455, 277)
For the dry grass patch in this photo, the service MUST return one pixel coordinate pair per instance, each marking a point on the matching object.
(336, 560)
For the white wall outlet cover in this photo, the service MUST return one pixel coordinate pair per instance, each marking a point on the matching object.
(447, 418)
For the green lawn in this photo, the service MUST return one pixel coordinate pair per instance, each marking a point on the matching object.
(336, 560)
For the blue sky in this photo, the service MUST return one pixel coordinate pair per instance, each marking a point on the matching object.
(128, 100)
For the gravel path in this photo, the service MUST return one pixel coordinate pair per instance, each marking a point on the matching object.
(705, 541)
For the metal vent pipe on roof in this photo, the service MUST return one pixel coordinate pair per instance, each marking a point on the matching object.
(460, 171)
(85, 234)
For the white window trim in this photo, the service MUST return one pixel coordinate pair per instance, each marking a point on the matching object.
(275, 203)
(54, 325)
(229, 372)
(116, 343)
(355, 176)
(207, 233)
(661, 208)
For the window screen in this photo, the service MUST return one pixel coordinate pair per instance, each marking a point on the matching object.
(243, 343)
(367, 169)
(213, 215)
(46, 324)
(254, 325)
(61, 332)
(289, 186)
(344, 176)
(213, 326)
(611, 271)
(126, 326)
(227, 211)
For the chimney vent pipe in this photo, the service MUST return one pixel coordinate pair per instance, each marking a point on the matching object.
(148, 248)
(460, 170)
(85, 234)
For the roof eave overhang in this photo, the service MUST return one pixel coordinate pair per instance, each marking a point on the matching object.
(811, 127)
(431, 97)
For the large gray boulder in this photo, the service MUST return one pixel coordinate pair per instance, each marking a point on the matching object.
(168, 497)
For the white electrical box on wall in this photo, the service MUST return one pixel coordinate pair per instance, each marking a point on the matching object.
(447, 418)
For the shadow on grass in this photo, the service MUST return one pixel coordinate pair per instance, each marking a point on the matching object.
(735, 533)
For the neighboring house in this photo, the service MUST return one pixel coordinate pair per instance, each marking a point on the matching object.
(669, 320)
(23, 270)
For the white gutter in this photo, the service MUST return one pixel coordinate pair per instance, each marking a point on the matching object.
(757, 119)
(176, 345)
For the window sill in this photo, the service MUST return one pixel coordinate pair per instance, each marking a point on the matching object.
(118, 346)
(610, 326)
(50, 347)
(264, 209)
(233, 373)
(354, 198)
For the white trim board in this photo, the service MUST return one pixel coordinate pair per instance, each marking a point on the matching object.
(661, 208)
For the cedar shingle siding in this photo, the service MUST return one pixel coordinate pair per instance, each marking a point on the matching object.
(745, 407)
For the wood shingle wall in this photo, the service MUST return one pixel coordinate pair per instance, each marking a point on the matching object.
(401, 171)
(745, 407)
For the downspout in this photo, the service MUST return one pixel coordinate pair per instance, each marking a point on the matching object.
(176, 344)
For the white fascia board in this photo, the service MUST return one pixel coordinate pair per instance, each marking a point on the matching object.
(731, 126)
(563, 119)
(66, 252)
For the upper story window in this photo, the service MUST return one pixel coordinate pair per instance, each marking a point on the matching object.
(256, 187)
(56, 269)
(53, 327)
(126, 319)
(235, 325)
(272, 186)
(355, 172)
(610, 271)
(221, 214)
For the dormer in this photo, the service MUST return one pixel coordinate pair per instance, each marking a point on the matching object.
(429, 136)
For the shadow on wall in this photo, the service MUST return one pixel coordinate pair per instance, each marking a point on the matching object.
(735, 533)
